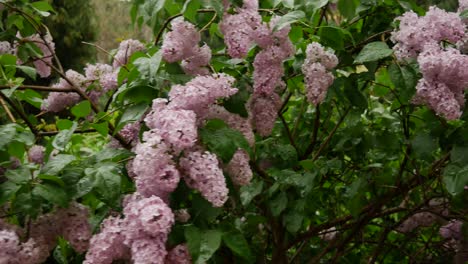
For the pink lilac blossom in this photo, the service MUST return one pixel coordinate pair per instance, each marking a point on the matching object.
(452, 230)
(182, 215)
(71, 223)
(201, 92)
(239, 29)
(58, 101)
(75, 226)
(264, 110)
(147, 217)
(126, 49)
(268, 64)
(6, 48)
(130, 132)
(47, 47)
(176, 127)
(196, 64)
(239, 169)
(179, 255)
(415, 32)
(36, 154)
(181, 44)
(104, 74)
(153, 166)
(444, 80)
(108, 245)
(202, 172)
(316, 76)
(151, 250)
(462, 5)
(14, 252)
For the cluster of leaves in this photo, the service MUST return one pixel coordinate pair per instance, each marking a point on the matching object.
(361, 162)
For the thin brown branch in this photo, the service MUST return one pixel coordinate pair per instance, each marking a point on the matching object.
(39, 88)
(322, 147)
(7, 110)
(311, 146)
(19, 112)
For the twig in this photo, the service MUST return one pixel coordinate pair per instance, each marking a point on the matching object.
(288, 132)
(52, 133)
(209, 23)
(169, 19)
(331, 134)
(7, 110)
(39, 88)
(19, 112)
(311, 146)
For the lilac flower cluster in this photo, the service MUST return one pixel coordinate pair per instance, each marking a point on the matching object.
(125, 51)
(140, 236)
(445, 78)
(426, 218)
(316, 69)
(239, 29)
(6, 48)
(444, 75)
(36, 154)
(47, 47)
(71, 223)
(102, 75)
(243, 29)
(58, 101)
(452, 230)
(202, 172)
(415, 32)
(179, 255)
(181, 44)
(15, 252)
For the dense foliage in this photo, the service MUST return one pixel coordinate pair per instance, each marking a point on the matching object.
(274, 131)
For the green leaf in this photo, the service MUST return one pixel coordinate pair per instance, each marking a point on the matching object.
(57, 164)
(218, 7)
(82, 109)
(316, 4)
(332, 37)
(7, 189)
(7, 134)
(278, 204)
(52, 193)
(202, 244)
(288, 19)
(102, 128)
(347, 8)
(235, 241)
(42, 7)
(190, 9)
(248, 192)
(288, 3)
(221, 140)
(455, 179)
(293, 221)
(148, 67)
(424, 145)
(52, 178)
(404, 78)
(459, 155)
(30, 96)
(19, 176)
(131, 114)
(107, 181)
(30, 71)
(373, 51)
(63, 137)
